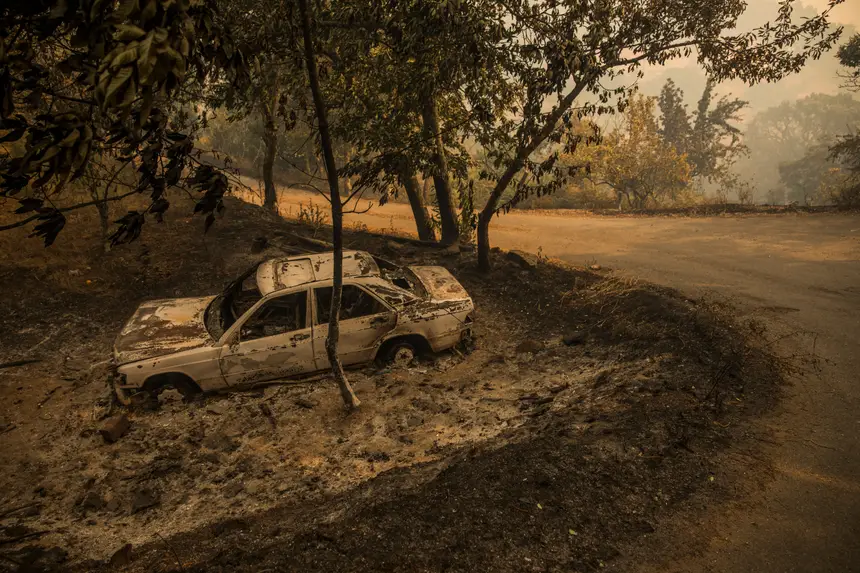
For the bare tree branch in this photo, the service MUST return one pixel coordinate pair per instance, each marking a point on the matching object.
(23, 222)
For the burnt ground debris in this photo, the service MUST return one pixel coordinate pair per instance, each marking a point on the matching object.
(554, 457)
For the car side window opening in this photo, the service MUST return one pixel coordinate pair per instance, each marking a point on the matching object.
(246, 296)
(278, 316)
(354, 303)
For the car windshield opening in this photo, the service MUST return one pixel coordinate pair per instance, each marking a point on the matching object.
(239, 296)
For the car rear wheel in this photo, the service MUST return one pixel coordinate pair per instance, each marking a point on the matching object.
(401, 354)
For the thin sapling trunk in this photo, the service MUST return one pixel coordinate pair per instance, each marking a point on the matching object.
(331, 344)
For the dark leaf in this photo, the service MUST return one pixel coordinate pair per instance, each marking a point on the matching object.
(28, 204)
(52, 222)
(12, 185)
(13, 135)
(159, 206)
(129, 228)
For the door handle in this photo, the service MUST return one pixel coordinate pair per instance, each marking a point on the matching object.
(299, 337)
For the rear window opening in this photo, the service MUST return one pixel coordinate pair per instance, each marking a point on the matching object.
(402, 277)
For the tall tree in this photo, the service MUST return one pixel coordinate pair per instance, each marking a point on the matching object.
(709, 138)
(444, 197)
(431, 74)
(258, 29)
(674, 119)
(566, 48)
(636, 162)
(269, 109)
(416, 201)
(715, 142)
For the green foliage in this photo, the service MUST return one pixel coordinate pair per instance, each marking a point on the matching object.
(715, 141)
(415, 53)
(312, 216)
(87, 80)
(468, 216)
(709, 138)
(675, 126)
(849, 57)
(637, 163)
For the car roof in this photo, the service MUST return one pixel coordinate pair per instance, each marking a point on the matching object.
(278, 274)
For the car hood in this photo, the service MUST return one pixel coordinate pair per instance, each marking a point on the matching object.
(160, 327)
(440, 284)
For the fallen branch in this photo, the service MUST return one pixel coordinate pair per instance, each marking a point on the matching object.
(406, 240)
(14, 363)
(48, 397)
(314, 242)
(10, 560)
(17, 508)
(13, 540)
(172, 550)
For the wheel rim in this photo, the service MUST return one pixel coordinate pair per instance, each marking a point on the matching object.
(403, 356)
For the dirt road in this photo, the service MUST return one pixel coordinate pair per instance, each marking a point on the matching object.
(801, 271)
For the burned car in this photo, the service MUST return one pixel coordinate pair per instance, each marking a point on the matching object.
(271, 324)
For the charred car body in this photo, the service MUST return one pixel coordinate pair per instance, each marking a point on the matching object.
(271, 323)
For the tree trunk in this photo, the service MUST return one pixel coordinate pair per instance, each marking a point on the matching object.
(104, 222)
(419, 210)
(444, 197)
(349, 398)
(515, 165)
(270, 140)
(484, 241)
(489, 210)
(425, 191)
(347, 184)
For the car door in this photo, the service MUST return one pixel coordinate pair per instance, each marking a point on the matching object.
(271, 341)
(364, 319)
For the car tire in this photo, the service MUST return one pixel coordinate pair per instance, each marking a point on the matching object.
(185, 386)
(401, 354)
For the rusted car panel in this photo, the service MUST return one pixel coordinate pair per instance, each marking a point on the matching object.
(278, 274)
(282, 356)
(276, 328)
(360, 337)
(198, 364)
(162, 327)
(440, 284)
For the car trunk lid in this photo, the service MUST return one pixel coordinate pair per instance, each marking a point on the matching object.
(439, 283)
